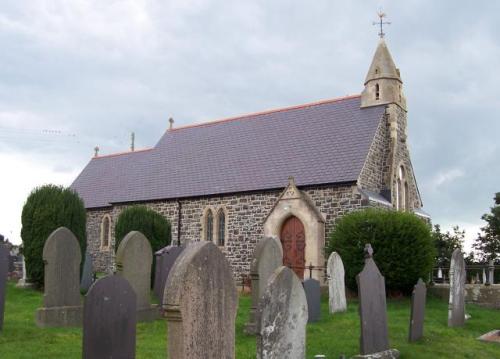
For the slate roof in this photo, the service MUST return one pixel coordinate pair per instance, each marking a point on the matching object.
(319, 143)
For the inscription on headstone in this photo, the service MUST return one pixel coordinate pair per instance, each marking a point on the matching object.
(336, 285)
(283, 315)
(109, 319)
(417, 316)
(165, 259)
(456, 307)
(4, 269)
(61, 299)
(313, 296)
(200, 304)
(266, 258)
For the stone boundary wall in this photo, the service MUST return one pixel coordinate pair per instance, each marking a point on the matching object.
(484, 295)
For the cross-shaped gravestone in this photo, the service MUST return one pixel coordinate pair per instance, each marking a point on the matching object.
(109, 319)
(336, 284)
(418, 298)
(456, 307)
(4, 266)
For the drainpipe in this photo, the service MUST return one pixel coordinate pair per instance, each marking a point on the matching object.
(179, 213)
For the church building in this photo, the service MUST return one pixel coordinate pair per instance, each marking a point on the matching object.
(290, 172)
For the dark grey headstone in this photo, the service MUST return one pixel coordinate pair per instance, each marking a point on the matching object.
(417, 311)
(165, 259)
(88, 273)
(456, 306)
(4, 267)
(372, 307)
(109, 319)
(313, 296)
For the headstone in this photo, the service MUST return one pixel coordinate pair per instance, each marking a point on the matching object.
(417, 316)
(165, 259)
(200, 304)
(4, 269)
(283, 315)
(134, 258)
(61, 299)
(313, 296)
(374, 341)
(109, 319)
(491, 274)
(484, 276)
(336, 284)
(88, 273)
(23, 282)
(456, 307)
(267, 257)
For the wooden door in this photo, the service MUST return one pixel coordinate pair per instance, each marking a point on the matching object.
(293, 240)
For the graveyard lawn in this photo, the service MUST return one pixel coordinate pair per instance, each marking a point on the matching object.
(332, 335)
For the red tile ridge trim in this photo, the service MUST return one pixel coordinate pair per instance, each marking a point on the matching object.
(122, 153)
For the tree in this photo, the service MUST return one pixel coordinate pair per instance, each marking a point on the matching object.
(488, 243)
(446, 243)
(46, 209)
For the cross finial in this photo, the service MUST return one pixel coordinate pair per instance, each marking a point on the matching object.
(368, 251)
(381, 23)
(96, 151)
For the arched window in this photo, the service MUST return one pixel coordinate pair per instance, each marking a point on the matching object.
(105, 232)
(377, 92)
(221, 240)
(407, 197)
(401, 190)
(209, 226)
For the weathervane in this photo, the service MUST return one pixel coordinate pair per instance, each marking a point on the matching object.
(381, 22)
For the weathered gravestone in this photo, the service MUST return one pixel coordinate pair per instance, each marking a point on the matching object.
(4, 269)
(374, 340)
(165, 259)
(283, 315)
(200, 304)
(417, 311)
(109, 319)
(456, 307)
(23, 282)
(134, 258)
(312, 290)
(88, 273)
(336, 285)
(267, 257)
(61, 299)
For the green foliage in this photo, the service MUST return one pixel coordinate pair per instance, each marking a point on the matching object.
(46, 209)
(488, 243)
(403, 246)
(446, 243)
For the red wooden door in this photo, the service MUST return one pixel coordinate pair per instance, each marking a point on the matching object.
(293, 240)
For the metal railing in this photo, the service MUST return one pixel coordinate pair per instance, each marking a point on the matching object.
(475, 274)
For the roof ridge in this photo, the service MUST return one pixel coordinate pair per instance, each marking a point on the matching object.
(123, 153)
(265, 112)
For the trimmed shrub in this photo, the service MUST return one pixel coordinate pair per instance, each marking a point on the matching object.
(46, 209)
(403, 246)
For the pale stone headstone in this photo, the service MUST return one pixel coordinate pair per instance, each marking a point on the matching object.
(456, 307)
(336, 284)
(267, 257)
(165, 259)
(23, 282)
(109, 319)
(200, 304)
(417, 315)
(88, 273)
(61, 299)
(313, 296)
(373, 310)
(134, 258)
(4, 268)
(283, 315)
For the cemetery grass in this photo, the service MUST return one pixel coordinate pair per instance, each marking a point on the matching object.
(332, 335)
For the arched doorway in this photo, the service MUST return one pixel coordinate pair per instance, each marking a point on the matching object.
(293, 240)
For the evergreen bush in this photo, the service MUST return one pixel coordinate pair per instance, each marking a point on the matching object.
(403, 247)
(47, 208)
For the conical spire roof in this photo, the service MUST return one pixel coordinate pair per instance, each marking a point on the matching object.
(382, 64)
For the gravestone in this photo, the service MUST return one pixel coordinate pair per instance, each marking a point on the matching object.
(266, 258)
(165, 259)
(23, 282)
(374, 341)
(4, 269)
(109, 319)
(61, 299)
(417, 316)
(283, 315)
(313, 296)
(200, 304)
(88, 273)
(336, 285)
(134, 258)
(456, 306)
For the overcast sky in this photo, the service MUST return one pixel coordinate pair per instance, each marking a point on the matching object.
(78, 74)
